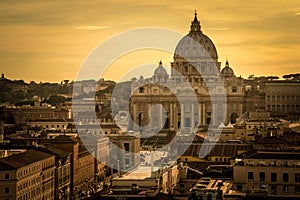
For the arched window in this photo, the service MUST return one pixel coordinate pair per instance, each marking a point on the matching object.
(278, 98)
(268, 98)
(273, 98)
(273, 107)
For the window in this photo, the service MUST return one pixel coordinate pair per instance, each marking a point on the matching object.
(6, 190)
(126, 146)
(141, 90)
(273, 98)
(297, 189)
(268, 98)
(250, 175)
(262, 176)
(293, 98)
(186, 69)
(273, 107)
(285, 177)
(282, 98)
(234, 89)
(285, 188)
(239, 187)
(6, 176)
(297, 177)
(278, 98)
(273, 177)
(274, 189)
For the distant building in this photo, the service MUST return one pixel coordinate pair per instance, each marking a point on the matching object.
(82, 164)
(142, 182)
(211, 87)
(283, 98)
(50, 124)
(126, 150)
(273, 173)
(28, 175)
(62, 171)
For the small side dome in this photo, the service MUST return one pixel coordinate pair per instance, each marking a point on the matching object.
(160, 71)
(160, 74)
(227, 71)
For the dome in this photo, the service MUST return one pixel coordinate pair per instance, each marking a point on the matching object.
(190, 50)
(160, 71)
(160, 74)
(227, 71)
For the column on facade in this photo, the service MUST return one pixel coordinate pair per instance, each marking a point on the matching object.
(135, 117)
(171, 120)
(203, 113)
(199, 113)
(182, 116)
(193, 116)
(161, 116)
(175, 116)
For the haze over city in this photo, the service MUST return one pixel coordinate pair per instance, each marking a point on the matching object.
(48, 40)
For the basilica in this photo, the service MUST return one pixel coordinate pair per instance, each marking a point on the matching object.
(199, 91)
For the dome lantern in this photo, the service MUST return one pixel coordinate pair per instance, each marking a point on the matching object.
(195, 25)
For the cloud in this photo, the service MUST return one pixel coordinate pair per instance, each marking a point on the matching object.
(218, 28)
(92, 28)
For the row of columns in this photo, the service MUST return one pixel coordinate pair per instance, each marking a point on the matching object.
(173, 113)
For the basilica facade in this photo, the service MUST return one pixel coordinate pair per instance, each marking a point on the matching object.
(197, 93)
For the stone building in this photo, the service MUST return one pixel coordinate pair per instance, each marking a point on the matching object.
(283, 98)
(274, 173)
(195, 70)
(82, 164)
(27, 175)
(62, 171)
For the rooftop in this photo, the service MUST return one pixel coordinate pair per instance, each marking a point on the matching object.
(49, 120)
(274, 155)
(22, 159)
(140, 173)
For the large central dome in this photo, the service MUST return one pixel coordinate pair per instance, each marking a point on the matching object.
(189, 49)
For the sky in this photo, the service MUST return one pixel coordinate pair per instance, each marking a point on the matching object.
(49, 40)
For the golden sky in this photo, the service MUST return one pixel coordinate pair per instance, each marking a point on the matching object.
(48, 40)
